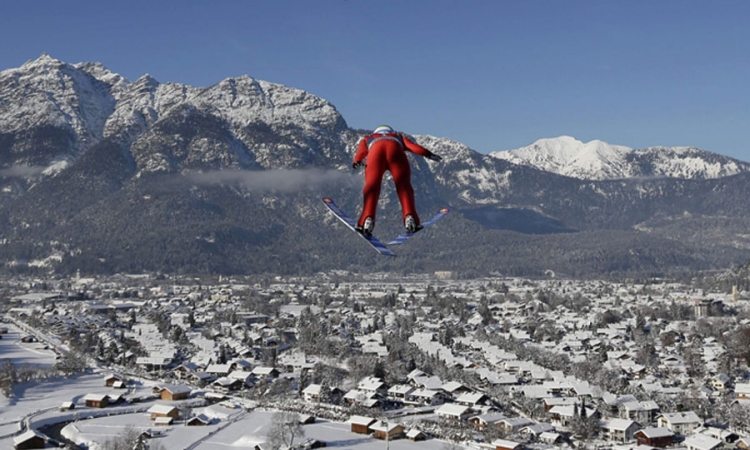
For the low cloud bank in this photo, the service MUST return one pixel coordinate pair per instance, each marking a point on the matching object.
(21, 171)
(293, 180)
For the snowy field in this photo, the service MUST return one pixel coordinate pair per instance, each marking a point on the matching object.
(22, 353)
(236, 429)
(38, 404)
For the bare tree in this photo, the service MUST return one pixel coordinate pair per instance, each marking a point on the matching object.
(285, 427)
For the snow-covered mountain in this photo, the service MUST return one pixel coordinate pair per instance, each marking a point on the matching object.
(87, 104)
(103, 174)
(598, 160)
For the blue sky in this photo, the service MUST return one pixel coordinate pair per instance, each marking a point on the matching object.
(492, 74)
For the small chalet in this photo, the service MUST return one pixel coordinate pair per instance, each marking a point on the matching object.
(742, 390)
(504, 444)
(473, 399)
(96, 400)
(265, 373)
(199, 420)
(385, 430)
(486, 420)
(400, 392)
(67, 406)
(29, 439)
(454, 389)
(361, 424)
(158, 410)
(655, 437)
(112, 378)
(415, 435)
(702, 442)
(514, 424)
(453, 411)
(171, 392)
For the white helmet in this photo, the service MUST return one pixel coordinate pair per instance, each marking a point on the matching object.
(383, 129)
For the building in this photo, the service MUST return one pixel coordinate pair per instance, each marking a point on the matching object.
(158, 410)
(702, 442)
(504, 444)
(96, 400)
(29, 439)
(385, 430)
(111, 379)
(453, 411)
(619, 430)
(171, 392)
(361, 424)
(683, 423)
(655, 437)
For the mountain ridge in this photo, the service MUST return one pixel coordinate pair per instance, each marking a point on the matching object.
(599, 160)
(228, 179)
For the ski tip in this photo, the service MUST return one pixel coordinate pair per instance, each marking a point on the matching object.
(444, 210)
(327, 200)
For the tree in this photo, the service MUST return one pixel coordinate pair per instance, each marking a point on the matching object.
(285, 427)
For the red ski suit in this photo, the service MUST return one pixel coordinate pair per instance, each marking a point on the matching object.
(387, 151)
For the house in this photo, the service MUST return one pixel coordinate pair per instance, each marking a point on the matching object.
(361, 424)
(454, 388)
(163, 421)
(619, 430)
(452, 411)
(641, 412)
(400, 392)
(67, 406)
(387, 431)
(514, 424)
(266, 373)
(655, 437)
(550, 438)
(112, 378)
(416, 435)
(720, 382)
(563, 415)
(219, 370)
(29, 439)
(486, 420)
(504, 444)
(702, 442)
(426, 397)
(683, 423)
(171, 392)
(226, 384)
(199, 420)
(158, 410)
(373, 385)
(536, 429)
(742, 390)
(473, 399)
(96, 400)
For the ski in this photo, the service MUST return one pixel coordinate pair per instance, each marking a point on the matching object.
(372, 240)
(405, 236)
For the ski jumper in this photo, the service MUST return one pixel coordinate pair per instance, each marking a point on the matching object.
(387, 151)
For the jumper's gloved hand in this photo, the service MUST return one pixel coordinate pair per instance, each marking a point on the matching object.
(435, 157)
(357, 164)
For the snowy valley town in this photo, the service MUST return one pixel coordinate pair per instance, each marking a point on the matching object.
(422, 362)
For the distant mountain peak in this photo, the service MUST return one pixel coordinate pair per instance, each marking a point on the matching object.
(599, 160)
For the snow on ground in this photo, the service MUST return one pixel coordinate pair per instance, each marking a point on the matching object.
(238, 430)
(22, 353)
(38, 403)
